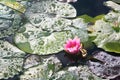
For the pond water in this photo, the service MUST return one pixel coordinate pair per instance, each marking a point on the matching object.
(92, 8)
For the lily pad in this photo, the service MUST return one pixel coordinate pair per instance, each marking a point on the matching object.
(75, 73)
(11, 60)
(113, 5)
(110, 68)
(117, 1)
(14, 5)
(43, 71)
(50, 37)
(107, 30)
(9, 21)
(51, 70)
(106, 37)
(91, 19)
(40, 72)
(38, 10)
(46, 44)
(32, 60)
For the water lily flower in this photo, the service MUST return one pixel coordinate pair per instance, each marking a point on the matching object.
(73, 46)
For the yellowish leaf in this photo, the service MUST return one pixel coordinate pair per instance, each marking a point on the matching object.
(14, 5)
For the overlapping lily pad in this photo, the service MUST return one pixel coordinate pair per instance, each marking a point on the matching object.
(106, 36)
(75, 73)
(14, 5)
(43, 71)
(38, 10)
(9, 21)
(11, 60)
(41, 43)
(32, 60)
(50, 36)
(107, 31)
(114, 5)
(117, 1)
(110, 68)
(51, 70)
(47, 31)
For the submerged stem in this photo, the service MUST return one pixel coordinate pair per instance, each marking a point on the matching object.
(94, 59)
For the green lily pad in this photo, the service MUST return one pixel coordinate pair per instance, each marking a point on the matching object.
(11, 60)
(114, 19)
(113, 5)
(112, 46)
(91, 19)
(38, 10)
(45, 44)
(50, 36)
(117, 1)
(14, 5)
(51, 70)
(106, 37)
(39, 72)
(76, 73)
(9, 21)
(42, 71)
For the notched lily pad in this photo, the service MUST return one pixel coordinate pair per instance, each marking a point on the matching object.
(50, 37)
(109, 69)
(45, 44)
(11, 60)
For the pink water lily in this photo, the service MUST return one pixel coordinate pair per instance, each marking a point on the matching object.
(73, 46)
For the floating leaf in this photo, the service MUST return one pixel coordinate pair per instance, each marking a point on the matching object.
(38, 10)
(109, 69)
(39, 72)
(75, 73)
(9, 21)
(11, 60)
(114, 19)
(50, 36)
(50, 70)
(32, 60)
(106, 37)
(98, 17)
(91, 19)
(14, 5)
(86, 18)
(117, 1)
(113, 5)
(43, 71)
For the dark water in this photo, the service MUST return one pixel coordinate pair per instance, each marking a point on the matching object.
(90, 7)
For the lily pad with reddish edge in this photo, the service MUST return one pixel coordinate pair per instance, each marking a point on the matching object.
(110, 68)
